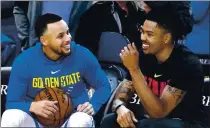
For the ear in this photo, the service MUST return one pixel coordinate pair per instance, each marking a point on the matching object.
(43, 40)
(167, 38)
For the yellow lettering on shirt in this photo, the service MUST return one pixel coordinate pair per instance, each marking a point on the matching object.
(55, 82)
(78, 76)
(63, 82)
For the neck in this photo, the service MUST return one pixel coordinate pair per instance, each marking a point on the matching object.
(164, 54)
(50, 54)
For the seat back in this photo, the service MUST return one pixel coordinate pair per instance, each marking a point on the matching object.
(8, 50)
(114, 73)
(110, 46)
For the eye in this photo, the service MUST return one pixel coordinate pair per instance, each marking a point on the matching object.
(150, 35)
(67, 32)
(60, 36)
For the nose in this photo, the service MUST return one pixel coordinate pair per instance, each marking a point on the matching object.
(143, 38)
(68, 37)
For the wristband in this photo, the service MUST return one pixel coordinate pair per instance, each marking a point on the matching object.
(116, 104)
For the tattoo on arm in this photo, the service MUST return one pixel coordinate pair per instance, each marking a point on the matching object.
(176, 93)
(123, 94)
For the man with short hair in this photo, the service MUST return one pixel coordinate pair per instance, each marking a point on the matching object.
(54, 57)
(165, 88)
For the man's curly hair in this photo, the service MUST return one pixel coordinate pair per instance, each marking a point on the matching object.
(176, 15)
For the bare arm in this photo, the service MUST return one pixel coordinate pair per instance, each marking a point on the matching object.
(123, 94)
(168, 100)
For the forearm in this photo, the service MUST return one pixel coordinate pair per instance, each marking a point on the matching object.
(100, 97)
(150, 101)
(123, 94)
(117, 103)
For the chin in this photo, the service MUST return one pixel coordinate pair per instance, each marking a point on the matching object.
(67, 53)
(146, 52)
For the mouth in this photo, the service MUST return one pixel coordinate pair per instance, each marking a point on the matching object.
(145, 46)
(67, 47)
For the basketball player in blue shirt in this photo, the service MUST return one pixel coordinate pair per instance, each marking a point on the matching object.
(55, 61)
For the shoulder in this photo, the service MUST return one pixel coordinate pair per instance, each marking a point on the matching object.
(187, 59)
(186, 64)
(83, 52)
(187, 72)
(28, 55)
(85, 56)
(77, 48)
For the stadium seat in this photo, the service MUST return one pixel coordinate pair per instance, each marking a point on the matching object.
(114, 74)
(110, 46)
(8, 26)
(8, 50)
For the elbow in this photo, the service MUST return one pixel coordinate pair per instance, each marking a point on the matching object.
(157, 115)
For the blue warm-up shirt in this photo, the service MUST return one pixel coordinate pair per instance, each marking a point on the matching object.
(32, 70)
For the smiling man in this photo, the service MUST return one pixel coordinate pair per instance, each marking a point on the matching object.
(55, 61)
(166, 80)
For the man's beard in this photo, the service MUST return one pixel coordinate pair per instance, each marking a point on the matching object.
(61, 53)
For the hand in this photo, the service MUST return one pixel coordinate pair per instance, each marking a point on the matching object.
(86, 108)
(44, 108)
(130, 57)
(125, 117)
(126, 83)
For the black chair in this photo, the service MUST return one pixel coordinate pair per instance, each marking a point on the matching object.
(110, 45)
(115, 75)
(8, 26)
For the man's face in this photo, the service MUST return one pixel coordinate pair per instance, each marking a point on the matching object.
(152, 37)
(58, 38)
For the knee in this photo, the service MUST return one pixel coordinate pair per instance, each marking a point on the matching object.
(80, 119)
(109, 120)
(12, 117)
(160, 123)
